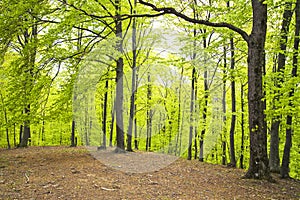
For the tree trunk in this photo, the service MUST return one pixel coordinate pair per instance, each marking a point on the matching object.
(30, 41)
(119, 81)
(288, 140)
(149, 114)
(72, 134)
(204, 115)
(242, 127)
(15, 141)
(26, 130)
(259, 163)
(195, 128)
(233, 107)
(6, 122)
(103, 146)
(179, 114)
(136, 145)
(224, 131)
(113, 112)
(274, 141)
(192, 114)
(133, 82)
(20, 134)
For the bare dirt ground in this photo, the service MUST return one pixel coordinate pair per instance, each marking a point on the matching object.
(76, 173)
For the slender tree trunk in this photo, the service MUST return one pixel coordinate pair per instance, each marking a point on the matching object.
(15, 141)
(133, 82)
(43, 131)
(179, 113)
(259, 163)
(6, 122)
(242, 127)
(26, 130)
(233, 107)
(224, 131)
(136, 145)
(73, 144)
(86, 121)
(103, 146)
(195, 127)
(119, 81)
(288, 140)
(276, 120)
(204, 115)
(20, 134)
(72, 134)
(113, 112)
(192, 114)
(149, 114)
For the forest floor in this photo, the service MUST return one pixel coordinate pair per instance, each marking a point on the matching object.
(78, 173)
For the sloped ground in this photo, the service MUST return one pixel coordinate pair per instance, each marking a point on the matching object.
(73, 173)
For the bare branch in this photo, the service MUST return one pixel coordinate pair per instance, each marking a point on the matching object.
(169, 10)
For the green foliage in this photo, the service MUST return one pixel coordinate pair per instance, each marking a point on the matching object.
(61, 71)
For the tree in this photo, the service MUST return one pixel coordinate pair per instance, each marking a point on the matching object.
(233, 106)
(133, 82)
(119, 81)
(259, 163)
(288, 141)
(275, 124)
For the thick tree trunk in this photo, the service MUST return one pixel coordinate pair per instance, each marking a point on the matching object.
(288, 140)
(274, 141)
(119, 81)
(259, 163)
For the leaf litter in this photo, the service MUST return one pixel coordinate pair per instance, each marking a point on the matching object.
(78, 173)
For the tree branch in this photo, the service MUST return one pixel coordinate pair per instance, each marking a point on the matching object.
(169, 10)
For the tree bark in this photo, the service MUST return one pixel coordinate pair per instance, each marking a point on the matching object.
(242, 127)
(192, 114)
(119, 82)
(224, 131)
(233, 107)
(259, 163)
(149, 114)
(72, 134)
